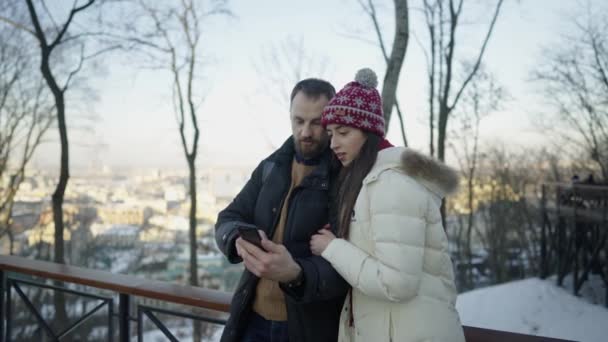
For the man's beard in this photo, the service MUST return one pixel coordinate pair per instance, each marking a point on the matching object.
(310, 151)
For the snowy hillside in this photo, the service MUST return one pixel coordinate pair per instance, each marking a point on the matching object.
(537, 307)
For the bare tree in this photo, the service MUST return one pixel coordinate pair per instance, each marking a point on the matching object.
(394, 62)
(574, 74)
(443, 18)
(25, 115)
(25, 126)
(510, 220)
(47, 46)
(479, 100)
(172, 35)
(63, 53)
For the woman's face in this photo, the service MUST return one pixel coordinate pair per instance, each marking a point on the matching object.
(346, 142)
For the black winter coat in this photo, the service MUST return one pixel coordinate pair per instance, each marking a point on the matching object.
(313, 309)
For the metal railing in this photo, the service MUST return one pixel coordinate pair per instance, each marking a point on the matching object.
(574, 232)
(125, 287)
(15, 284)
(128, 287)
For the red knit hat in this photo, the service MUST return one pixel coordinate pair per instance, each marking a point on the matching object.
(357, 105)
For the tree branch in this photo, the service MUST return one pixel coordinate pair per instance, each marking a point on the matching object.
(68, 21)
(18, 25)
(481, 52)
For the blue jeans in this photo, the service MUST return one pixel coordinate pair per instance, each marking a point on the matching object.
(260, 329)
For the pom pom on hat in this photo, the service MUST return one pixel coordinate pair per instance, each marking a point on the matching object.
(367, 77)
(357, 105)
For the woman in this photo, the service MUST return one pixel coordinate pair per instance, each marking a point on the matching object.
(392, 247)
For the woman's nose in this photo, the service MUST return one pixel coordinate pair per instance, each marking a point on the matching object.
(333, 143)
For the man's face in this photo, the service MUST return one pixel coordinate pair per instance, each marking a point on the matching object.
(309, 136)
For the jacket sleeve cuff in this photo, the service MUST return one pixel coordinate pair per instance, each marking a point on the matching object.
(346, 258)
(226, 241)
(296, 292)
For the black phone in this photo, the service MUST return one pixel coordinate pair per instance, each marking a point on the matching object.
(249, 233)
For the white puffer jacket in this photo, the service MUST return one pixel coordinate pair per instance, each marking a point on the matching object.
(396, 257)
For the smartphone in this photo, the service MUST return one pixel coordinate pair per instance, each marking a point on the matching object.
(249, 233)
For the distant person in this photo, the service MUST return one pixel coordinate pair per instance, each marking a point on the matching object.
(575, 179)
(390, 245)
(285, 292)
(589, 179)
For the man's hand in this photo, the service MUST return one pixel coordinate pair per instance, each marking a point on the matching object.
(275, 263)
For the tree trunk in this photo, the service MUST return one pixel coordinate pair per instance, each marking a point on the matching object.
(193, 204)
(58, 195)
(11, 241)
(401, 123)
(459, 241)
(395, 62)
(441, 137)
(196, 325)
(444, 112)
(64, 175)
(469, 252)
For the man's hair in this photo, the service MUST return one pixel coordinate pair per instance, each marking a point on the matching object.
(313, 88)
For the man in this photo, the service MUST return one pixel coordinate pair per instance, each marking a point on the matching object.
(286, 293)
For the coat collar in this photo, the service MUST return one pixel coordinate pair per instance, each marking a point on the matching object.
(430, 172)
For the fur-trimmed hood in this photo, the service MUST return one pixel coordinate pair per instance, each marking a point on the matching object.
(430, 172)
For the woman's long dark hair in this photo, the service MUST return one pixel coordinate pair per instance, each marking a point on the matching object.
(350, 181)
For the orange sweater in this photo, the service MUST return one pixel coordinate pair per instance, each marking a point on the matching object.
(269, 299)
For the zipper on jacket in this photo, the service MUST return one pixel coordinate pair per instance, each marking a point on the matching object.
(277, 213)
(277, 217)
(291, 195)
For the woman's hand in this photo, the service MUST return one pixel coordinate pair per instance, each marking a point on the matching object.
(319, 241)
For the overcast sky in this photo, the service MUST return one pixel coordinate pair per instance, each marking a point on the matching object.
(240, 122)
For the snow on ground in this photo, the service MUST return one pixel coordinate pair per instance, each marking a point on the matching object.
(536, 307)
(531, 306)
